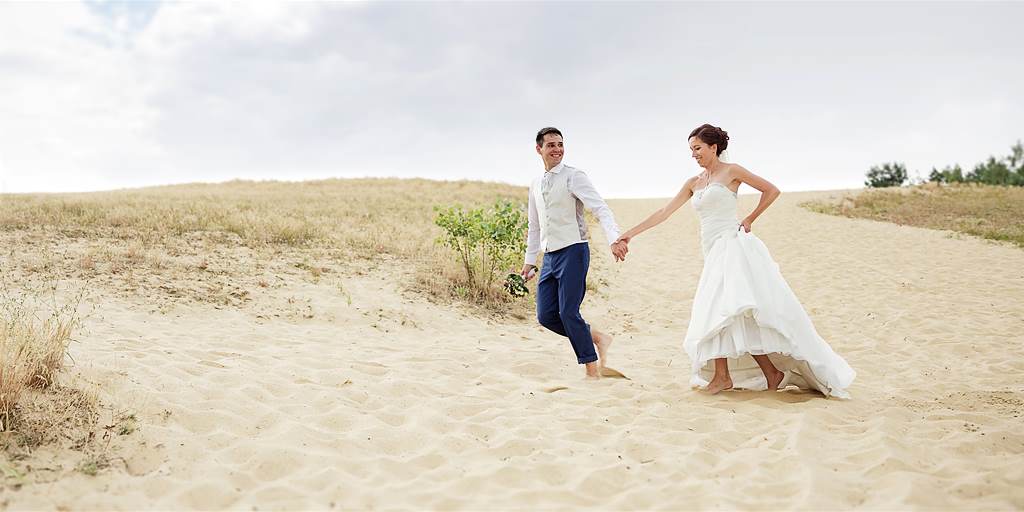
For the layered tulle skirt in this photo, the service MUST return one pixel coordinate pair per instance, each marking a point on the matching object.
(743, 306)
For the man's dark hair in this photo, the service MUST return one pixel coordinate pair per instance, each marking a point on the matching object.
(546, 131)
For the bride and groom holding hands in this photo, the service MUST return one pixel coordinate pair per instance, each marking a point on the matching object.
(747, 329)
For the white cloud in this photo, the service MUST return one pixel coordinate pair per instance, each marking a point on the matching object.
(113, 94)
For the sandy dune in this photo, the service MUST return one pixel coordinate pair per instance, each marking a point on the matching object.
(383, 400)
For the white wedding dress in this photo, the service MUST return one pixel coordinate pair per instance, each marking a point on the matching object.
(743, 306)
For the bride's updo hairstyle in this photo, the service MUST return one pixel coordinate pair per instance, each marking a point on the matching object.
(711, 135)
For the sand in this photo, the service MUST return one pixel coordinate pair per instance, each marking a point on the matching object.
(377, 398)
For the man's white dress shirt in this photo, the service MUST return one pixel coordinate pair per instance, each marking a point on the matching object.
(556, 207)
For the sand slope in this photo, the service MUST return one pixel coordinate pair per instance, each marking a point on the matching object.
(384, 400)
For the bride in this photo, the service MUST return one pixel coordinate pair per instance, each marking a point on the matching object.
(747, 328)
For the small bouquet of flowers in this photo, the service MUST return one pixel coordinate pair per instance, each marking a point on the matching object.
(515, 285)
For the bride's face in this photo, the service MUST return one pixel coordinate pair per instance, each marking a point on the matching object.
(702, 153)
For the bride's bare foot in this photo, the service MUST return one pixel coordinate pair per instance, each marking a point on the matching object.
(602, 341)
(718, 385)
(774, 380)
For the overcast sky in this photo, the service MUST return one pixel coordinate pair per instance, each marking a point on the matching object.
(102, 95)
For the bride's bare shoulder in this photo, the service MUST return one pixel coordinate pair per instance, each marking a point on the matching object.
(690, 182)
(734, 167)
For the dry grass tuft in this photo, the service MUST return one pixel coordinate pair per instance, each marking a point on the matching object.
(987, 211)
(34, 339)
(69, 423)
(55, 415)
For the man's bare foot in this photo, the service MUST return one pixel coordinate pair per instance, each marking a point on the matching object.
(774, 380)
(718, 385)
(593, 371)
(602, 341)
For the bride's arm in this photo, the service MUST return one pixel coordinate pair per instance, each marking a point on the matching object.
(665, 212)
(769, 192)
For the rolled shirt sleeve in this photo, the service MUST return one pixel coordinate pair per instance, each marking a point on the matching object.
(533, 231)
(581, 187)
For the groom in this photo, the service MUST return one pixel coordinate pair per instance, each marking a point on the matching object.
(557, 226)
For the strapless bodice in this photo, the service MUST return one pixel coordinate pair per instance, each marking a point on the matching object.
(716, 208)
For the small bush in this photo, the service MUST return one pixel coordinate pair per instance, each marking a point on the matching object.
(486, 241)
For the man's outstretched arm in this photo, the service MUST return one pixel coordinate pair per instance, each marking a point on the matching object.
(581, 187)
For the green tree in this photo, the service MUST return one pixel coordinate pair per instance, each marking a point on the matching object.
(949, 174)
(993, 172)
(1016, 161)
(1016, 158)
(886, 175)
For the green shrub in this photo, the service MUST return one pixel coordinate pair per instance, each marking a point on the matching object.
(487, 241)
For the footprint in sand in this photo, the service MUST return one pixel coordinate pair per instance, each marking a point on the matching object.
(605, 372)
(612, 373)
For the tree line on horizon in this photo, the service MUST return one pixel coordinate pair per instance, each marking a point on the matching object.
(1006, 171)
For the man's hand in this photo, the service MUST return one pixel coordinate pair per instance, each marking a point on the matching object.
(528, 271)
(619, 250)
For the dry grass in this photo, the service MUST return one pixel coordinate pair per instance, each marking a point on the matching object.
(71, 425)
(987, 211)
(62, 430)
(366, 216)
(51, 416)
(230, 239)
(34, 339)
